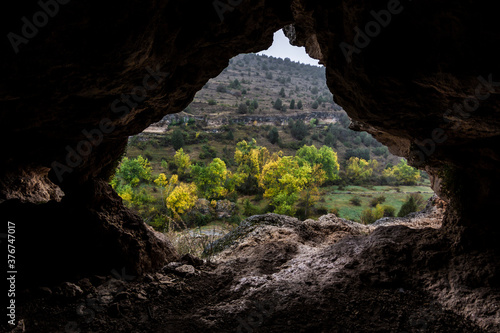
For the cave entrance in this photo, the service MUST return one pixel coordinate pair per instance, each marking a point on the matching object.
(195, 175)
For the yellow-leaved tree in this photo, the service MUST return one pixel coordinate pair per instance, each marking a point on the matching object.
(359, 170)
(178, 198)
(250, 159)
(183, 162)
(402, 174)
(182, 199)
(282, 180)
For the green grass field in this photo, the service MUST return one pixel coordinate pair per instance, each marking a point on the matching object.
(332, 197)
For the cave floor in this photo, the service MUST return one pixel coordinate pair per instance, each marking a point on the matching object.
(283, 275)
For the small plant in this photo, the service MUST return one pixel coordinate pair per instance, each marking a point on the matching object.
(371, 215)
(356, 201)
(211, 102)
(414, 202)
(377, 200)
(335, 211)
(248, 208)
(389, 211)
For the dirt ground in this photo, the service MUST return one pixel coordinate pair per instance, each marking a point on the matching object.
(285, 275)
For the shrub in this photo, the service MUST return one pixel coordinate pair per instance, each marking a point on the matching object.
(356, 201)
(210, 102)
(273, 135)
(377, 200)
(177, 139)
(371, 215)
(414, 202)
(322, 210)
(389, 211)
(248, 208)
(243, 108)
(148, 154)
(335, 211)
(207, 152)
(278, 104)
(221, 88)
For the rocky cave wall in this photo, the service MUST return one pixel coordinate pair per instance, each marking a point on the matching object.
(88, 75)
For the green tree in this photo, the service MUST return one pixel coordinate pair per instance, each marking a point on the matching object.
(359, 170)
(298, 129)
(242, 108)
(235, 84)
(330, 140)
(250, 159)
(183, 162)
(132, 172)
(403, 174)
(278, 104)
(315, 105)
(325, 157)
(177, 139)
(299, 105)
(255, 104)
(211, 179)
(273, 135)
(282, 93)
(310, 193)
(292, 104)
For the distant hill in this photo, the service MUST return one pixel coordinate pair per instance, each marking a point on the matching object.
(271, 95)
(261, 79)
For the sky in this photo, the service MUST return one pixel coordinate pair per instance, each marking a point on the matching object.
(281, 48)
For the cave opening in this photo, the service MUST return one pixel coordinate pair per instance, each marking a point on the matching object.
(426, 87)
(191, 175)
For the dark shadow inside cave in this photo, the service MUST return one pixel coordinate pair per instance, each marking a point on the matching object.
(426, 87)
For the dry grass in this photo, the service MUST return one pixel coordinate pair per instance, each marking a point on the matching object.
(194, 241)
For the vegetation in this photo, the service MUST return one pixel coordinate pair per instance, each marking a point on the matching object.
(413, 203)
(302, 167)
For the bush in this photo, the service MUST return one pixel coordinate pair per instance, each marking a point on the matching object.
(273, 135)
(377, 200)
(389, 211)
(221, 88)
(371, 215)
(207, 152)
(322, 210)
(356, 201)
(414, 202)
(177, 139)
(243, 108)
(278, 104)
(210, 102)
(248, 208)
(335, 211)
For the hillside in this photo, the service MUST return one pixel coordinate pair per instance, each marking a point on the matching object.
(240, 104)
